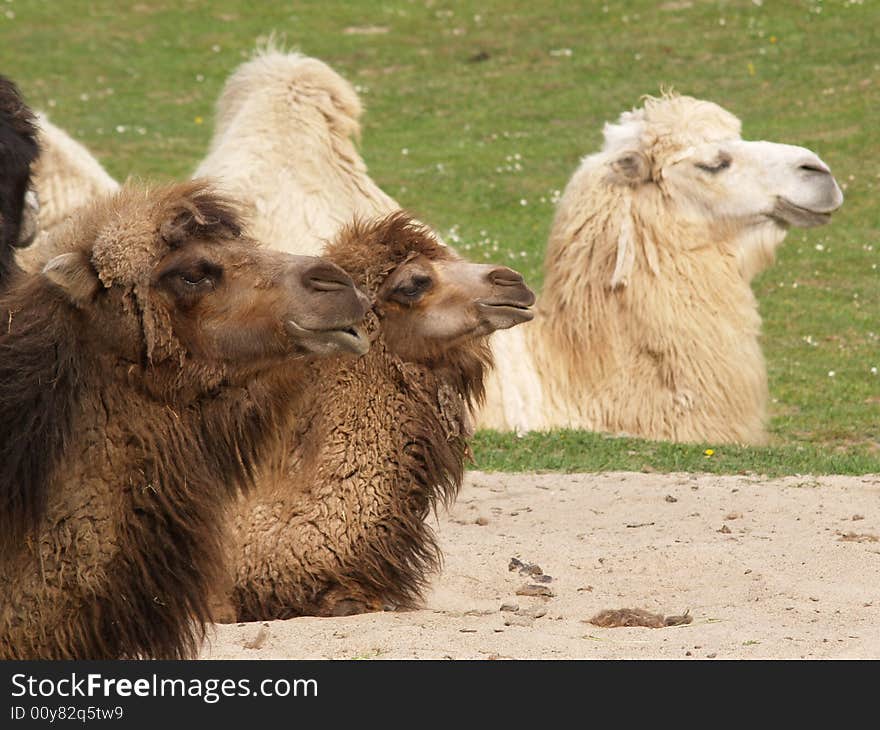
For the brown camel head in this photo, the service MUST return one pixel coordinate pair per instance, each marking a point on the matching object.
(428, 299)
(164, 279)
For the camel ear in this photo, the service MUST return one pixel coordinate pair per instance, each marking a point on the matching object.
(626, 246)
(73, 273)
(631, 168)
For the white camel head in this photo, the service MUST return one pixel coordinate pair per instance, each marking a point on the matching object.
(690, 152)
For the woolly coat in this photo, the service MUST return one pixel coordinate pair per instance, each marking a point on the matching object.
(283, 144)
(67, 176)
(112, 487)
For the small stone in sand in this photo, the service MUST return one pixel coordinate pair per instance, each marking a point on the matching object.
(530, 589)
(537, 612)
(857, 537)
(524, 568)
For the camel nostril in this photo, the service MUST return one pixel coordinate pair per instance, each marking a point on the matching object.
(326, 277)
(502, 276)
(815, 168)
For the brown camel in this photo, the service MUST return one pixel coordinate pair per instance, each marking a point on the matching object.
(145, 373)
(18, 151)
(381, 439)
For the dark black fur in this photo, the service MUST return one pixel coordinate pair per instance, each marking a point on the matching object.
(18, 151)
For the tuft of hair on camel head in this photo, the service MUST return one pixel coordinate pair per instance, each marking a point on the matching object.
(172, 267)
(692, 150)
(427, 298)
(370, 249)
(18, 151)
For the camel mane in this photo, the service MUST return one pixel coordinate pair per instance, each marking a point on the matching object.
(39, 375)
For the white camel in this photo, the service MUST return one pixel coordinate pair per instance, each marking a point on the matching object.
(647, 324)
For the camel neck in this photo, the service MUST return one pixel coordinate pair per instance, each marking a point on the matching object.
(352, 504)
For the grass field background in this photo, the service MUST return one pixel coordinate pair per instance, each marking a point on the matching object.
(477, 115)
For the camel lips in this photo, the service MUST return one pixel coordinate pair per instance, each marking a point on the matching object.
(346, 339)
(520, 312)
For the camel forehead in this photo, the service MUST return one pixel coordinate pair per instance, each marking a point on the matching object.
(127, 245)
(670, 124)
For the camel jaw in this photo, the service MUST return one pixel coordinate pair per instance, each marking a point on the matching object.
(349, 339)
(505, 314)
(788, 214)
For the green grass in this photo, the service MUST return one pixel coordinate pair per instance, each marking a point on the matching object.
(469, 88)
(576, 451)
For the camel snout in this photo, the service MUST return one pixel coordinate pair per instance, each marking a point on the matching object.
(503, 276)
(324, 276)
(512, 286)
(827, 195)
(326, 310)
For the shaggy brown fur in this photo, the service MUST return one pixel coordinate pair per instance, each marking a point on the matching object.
(120, 444)
(380, 441)
(18, 151)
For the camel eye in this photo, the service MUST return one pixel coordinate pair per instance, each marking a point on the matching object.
(193, 280)
(413, 288)
(722, 163)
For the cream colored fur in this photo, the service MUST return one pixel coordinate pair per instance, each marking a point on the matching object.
(284, 144)
(66, 175)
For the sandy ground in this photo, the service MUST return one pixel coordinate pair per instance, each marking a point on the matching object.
(785, 568)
